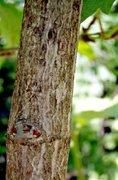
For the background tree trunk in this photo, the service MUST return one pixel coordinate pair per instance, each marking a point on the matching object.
(39, 125)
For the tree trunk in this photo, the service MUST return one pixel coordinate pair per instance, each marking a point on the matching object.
(38, 133)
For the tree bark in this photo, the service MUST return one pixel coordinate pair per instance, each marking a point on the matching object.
(38, 133)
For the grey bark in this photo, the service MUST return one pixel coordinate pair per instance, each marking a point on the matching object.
(39, 125)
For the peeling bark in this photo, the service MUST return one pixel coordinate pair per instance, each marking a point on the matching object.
(39, 125)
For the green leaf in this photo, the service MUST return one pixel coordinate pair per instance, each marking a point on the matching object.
(89, 115)
(90, 6)
(2, 149)
(109, 112)
(112, 111)
(2, 137)
(10, 23)
(85, 49)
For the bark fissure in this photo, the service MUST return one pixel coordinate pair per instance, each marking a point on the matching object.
(39, 123)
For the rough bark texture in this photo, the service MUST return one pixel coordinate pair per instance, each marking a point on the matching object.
(39, 126)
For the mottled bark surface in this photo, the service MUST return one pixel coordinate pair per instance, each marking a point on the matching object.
(39, 125)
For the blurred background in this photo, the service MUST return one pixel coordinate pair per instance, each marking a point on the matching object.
(94, 144)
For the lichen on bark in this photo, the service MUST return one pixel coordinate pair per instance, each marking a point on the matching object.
(43, 91)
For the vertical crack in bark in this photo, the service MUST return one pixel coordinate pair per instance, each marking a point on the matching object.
(54, 159)
(24, 161)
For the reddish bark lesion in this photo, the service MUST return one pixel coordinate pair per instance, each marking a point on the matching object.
(25, 133)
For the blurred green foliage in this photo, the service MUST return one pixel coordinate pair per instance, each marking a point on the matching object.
(10, 23)
(94, 144)
(90, 7)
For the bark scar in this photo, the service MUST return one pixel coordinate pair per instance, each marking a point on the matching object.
(26, 133)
